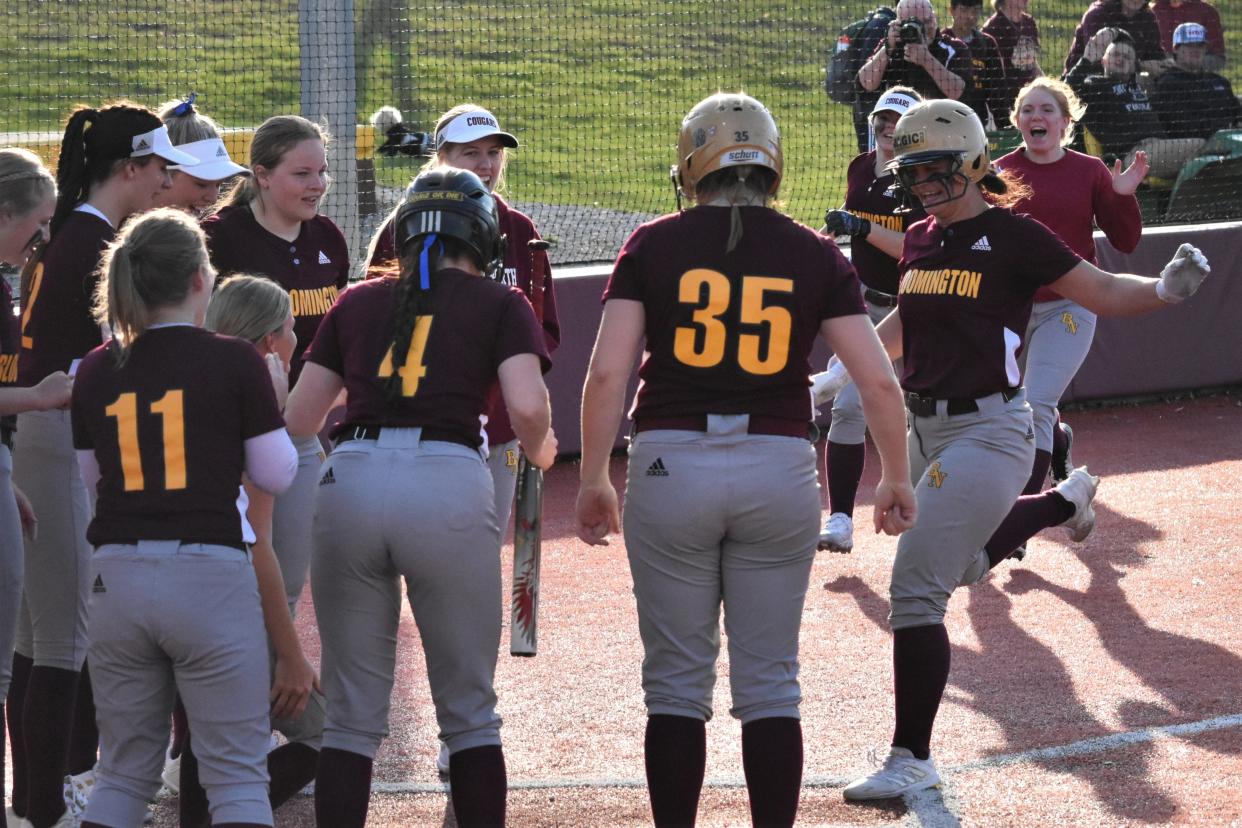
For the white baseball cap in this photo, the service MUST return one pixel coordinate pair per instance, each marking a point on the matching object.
(156, 142)
(897, 102)
(472, 125)
(214, 163)
(1189, 34)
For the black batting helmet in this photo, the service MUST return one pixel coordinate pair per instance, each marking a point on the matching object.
(455, 203)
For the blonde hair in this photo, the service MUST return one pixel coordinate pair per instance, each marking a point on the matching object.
(248, 307)
(274, 137)
(440, 161)
(1071, 106)
(149, 266)
(188, 128)
(24, 181)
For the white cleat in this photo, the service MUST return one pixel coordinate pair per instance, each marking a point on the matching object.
(1079, 489)
(442, 760)
(172, 772)
(902, 773)
(838, 533)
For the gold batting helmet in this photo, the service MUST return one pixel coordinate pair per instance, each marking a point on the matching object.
(938, 129)
(727, 129)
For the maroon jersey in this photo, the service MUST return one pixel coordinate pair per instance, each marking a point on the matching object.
(168, 429)
(1070, 197)
(57, 326)
(10, 345)
(730, 333)
(474, 325)
(876, 200)
(521, 265)
(314, 267)
(1008, 34)
(966, 293)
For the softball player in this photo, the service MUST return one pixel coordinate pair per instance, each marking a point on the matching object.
(725, 300)
(876, 218)
(406, 494)
(469, 137)
(27, 200)
(1072, 194)
(270, 226)
(112, 165)
(969, 274)
(196, 189)
(166, 418)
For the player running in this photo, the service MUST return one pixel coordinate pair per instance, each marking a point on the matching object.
(406, 496)
(166, 417)
(722, 504)
(875, 217)
(969, 273)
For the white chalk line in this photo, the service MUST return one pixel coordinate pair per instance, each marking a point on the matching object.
(1083, 747)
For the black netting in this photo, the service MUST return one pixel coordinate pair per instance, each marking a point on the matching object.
(595, 91)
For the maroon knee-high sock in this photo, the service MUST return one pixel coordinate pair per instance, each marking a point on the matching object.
(47, 720)
(772, 761)
(13, 713)
(920, 672)
(1039, 472)
(84, 732)
(675, 748)
(844, 471)
(180, 728)
(1030, 514)
(192, 806)
(292, 767)
(480, 786)
(342, 788)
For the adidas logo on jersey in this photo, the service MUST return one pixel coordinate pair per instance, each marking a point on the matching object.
(657, 469)
(323, 258)
(982, 244)
(328, 478)
(99, 585)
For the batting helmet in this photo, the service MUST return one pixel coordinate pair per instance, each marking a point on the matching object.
(727, 129)
(933, 130)
(455, 203)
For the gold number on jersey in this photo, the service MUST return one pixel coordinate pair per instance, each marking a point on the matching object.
(36, 282)
(414, 369)
(703, 344)
(170, 409)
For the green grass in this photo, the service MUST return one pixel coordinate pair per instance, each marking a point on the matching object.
(594, 89)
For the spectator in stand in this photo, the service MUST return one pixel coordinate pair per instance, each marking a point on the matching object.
(1017, 36)
(1132, 17)
(1191, 101)
(1172, 13)
(986, 91)
(938, 66)
(1119, 113)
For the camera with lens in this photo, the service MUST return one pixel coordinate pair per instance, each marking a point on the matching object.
(910, 30)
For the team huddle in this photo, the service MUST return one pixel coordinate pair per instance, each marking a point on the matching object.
(166, 494)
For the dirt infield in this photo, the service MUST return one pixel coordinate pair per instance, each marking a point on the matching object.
(1093, 684)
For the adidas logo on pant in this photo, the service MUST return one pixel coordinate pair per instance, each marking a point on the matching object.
(328, 477)
(99, 585)
(657, 469)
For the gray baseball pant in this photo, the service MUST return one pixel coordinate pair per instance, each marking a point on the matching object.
(1058, 338)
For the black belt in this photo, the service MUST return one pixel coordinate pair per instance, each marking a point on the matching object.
(921, 406)
(883, 300)
(439, 435)
(770, 426)
(6, 437)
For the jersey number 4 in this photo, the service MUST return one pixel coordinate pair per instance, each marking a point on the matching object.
(414, 368)
(702, 345)
(170, 410)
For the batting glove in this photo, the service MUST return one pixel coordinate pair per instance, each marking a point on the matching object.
(1183, 274)
(845, 223)
(827, 384)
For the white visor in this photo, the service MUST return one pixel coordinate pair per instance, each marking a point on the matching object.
(213, 164)
(471, 126)
(897, 102)
(156, 142)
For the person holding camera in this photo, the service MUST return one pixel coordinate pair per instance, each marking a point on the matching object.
(913, 54)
